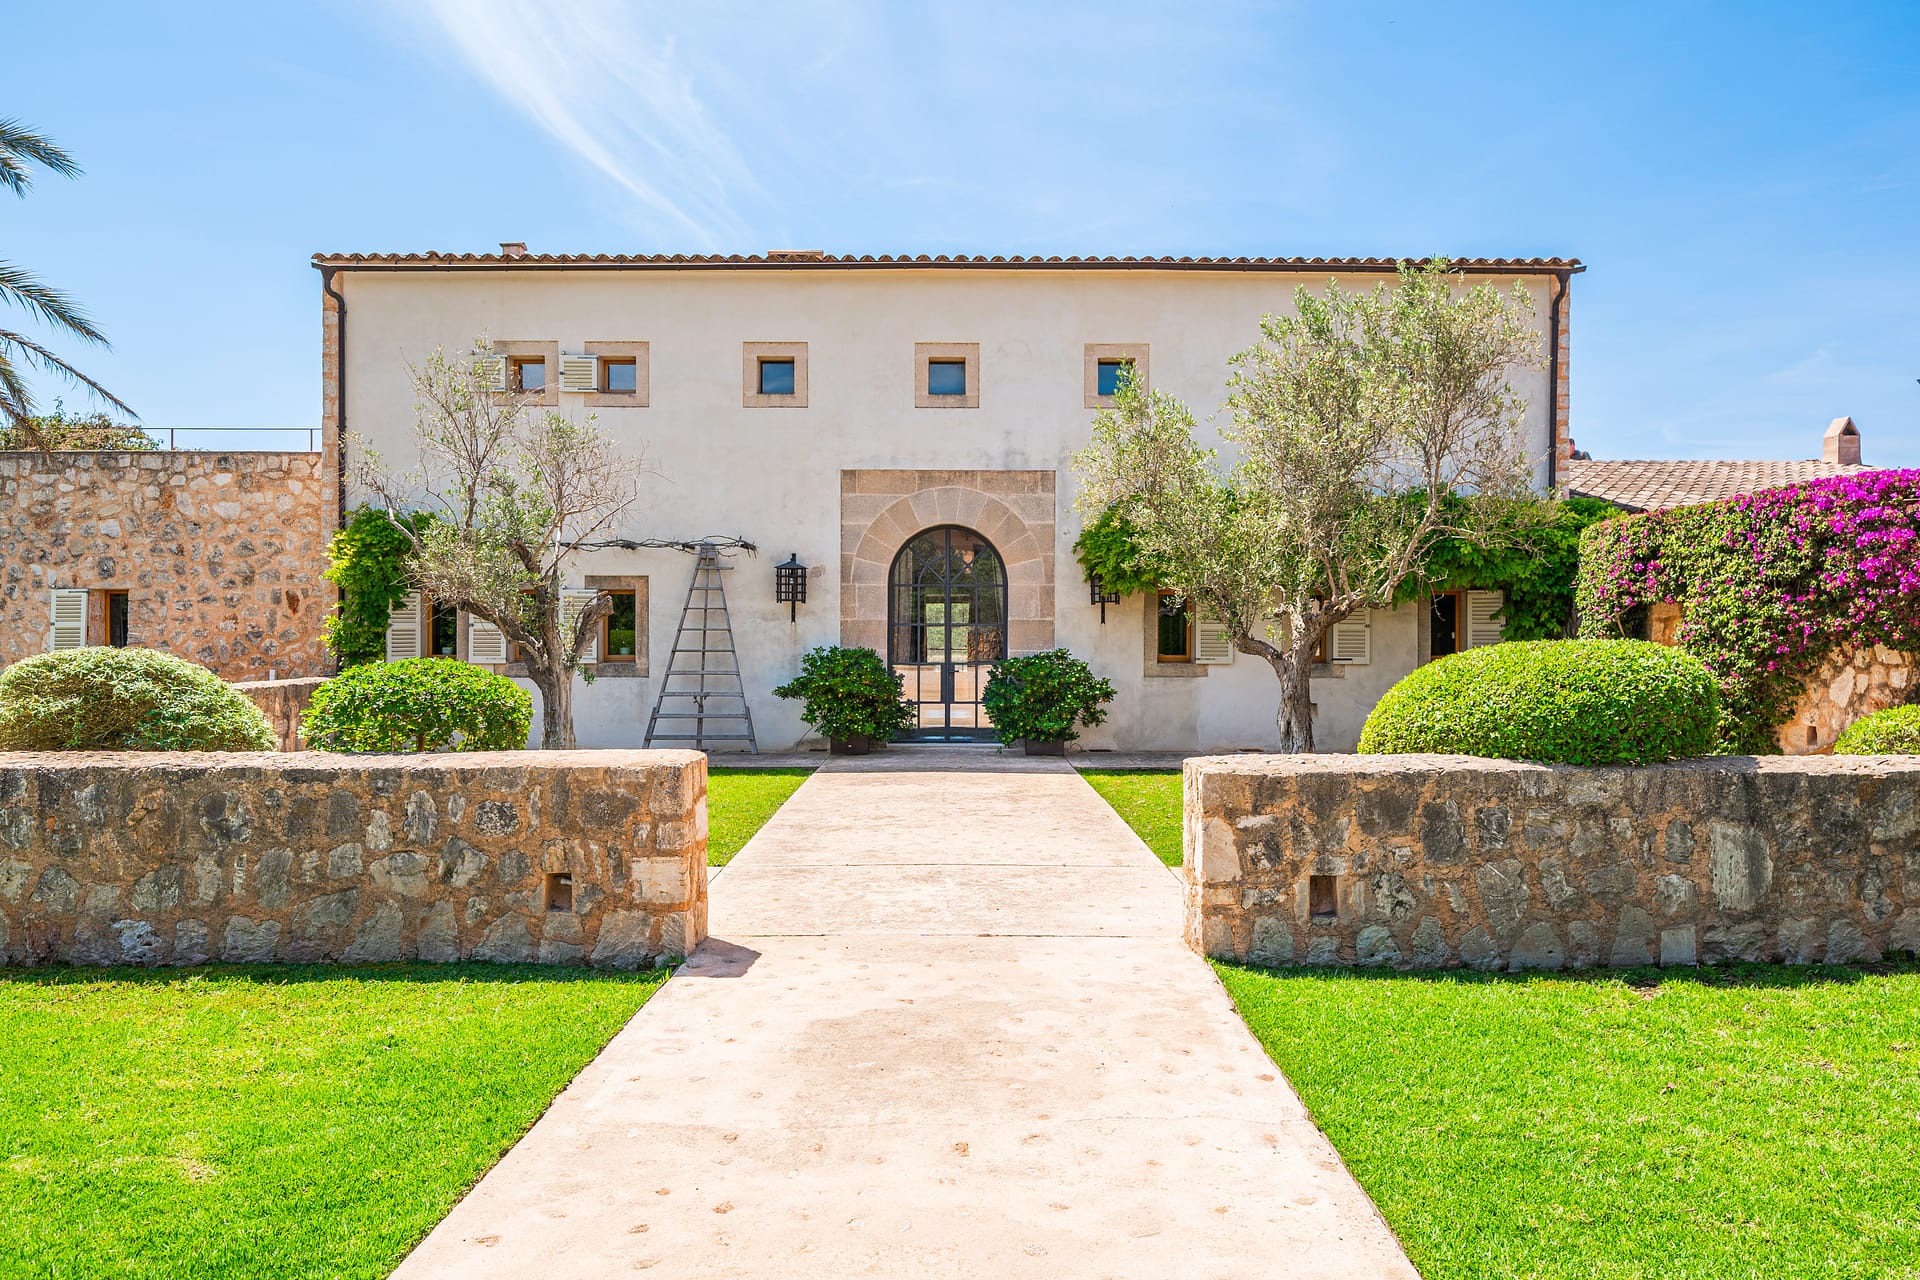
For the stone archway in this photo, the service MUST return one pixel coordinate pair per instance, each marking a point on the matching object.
(880, 510)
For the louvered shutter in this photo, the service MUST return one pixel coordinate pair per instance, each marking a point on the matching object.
(405, 622)
(492, 371)
(580, 373)
(1482, 626)
(69, 620)
(572, 602)
(1212, 643)
(1351, 640)
(486, 643)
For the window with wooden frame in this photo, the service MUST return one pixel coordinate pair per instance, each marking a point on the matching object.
(774, 375)
(443, 631)
(1445, 612)
(527, 374)
(1176, 628)
(116, 619)
(1107, 364)
(619, 630)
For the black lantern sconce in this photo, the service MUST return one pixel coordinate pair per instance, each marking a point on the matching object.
(790, 585)
(1097, 593)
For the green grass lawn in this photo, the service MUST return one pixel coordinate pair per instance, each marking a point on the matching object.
(739, 802)
(271, 1121)
(1742, 1122)
(1149, 800)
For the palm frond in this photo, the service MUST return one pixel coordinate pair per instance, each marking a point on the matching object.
(18, 145)
(16, 401)
(12, 343)
(26, 291)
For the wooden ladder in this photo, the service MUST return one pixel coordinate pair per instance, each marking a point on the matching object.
(703, 683)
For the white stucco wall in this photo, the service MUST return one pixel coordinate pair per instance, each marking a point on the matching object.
(772, 475)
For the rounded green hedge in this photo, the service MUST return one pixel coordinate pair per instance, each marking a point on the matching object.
(418, 704)
(1892, 732)
(1044, 697)
(1557, 701)
(124, 700)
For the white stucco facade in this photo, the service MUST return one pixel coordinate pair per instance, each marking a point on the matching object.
(775, 475)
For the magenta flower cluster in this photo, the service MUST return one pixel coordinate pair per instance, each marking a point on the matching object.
(1768, 583)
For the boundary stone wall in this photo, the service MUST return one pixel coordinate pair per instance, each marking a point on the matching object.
(580, 857)
(283, 702)
(1441, 861)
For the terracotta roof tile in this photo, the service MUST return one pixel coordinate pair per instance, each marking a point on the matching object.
(1653, 485)
(803, 259)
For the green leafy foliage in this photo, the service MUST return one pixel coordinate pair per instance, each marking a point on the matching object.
(1533, 555)
(1558, 701)
(367, 560)
(1043, 697)
(124, 700)
(87, 432)
(1892, 732)
(1110, 547)
(848, 694)
(418, 704)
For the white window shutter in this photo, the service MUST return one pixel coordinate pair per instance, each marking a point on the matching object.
(486, 643)
(1212, 643)
(405, 623)
(1482, 626)
(1351, 640)
(492, 371)
(580, 373)
(69, 620)
(573, 600)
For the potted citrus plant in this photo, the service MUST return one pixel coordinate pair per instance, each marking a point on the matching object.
(1042, 700)
(850, 697)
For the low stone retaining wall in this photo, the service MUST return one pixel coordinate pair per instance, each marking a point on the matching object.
(1436, 861)
(283, 702)
(594, 857)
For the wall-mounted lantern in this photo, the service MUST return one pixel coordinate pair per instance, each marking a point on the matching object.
(1097, 593)
(790, 585)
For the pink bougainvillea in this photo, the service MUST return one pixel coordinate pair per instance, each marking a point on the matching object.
(1769, 584)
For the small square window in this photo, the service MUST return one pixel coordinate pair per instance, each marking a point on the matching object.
(529, 375)
(1108, 375)
(776, 377)
(619, 377)
(946, 377)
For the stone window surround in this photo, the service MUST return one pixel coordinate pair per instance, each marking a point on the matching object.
(881, 509)
(925, 353)
(751, 353)
(641, 664)
(642, 394)
(1098, 351)
(518, 349)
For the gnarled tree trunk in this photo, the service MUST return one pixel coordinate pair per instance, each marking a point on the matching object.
(556, 710)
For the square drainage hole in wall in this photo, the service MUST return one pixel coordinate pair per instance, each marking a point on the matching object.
(559, 891)
(1323, 897)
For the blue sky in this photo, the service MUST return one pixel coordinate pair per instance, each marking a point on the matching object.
(1742, 179)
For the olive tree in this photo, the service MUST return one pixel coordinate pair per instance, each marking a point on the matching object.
(1358, 423)
(512, 491)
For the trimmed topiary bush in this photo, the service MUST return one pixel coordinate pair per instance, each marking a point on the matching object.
(1892, 732)
(104, 699)
(418, 704)
(849, 695)
(1042, 697)
(1557, 701)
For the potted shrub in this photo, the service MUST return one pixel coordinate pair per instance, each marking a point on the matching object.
(1041, 700)
(850, 697)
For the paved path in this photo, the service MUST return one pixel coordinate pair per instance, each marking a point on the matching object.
(945, 1026)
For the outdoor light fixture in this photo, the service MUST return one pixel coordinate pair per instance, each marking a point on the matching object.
(790, 585)
(1097, 593)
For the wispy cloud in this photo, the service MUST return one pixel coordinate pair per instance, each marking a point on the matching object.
(601, 79)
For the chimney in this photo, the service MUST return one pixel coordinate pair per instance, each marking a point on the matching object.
(513, 248)
(1841, 444)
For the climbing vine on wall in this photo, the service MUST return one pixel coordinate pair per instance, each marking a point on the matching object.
(1110, 547)
(1768, 585)
(368, 562)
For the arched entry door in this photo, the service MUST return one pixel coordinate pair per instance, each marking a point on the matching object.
(946, 627)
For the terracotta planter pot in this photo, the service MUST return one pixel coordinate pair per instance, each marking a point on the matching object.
(1043, 748)
(849, 746)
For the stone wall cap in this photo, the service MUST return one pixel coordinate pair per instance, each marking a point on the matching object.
(1351, 764)
(438, 762)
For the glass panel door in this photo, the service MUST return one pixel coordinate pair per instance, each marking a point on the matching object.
(947, 626)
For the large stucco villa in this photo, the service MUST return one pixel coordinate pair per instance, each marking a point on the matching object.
(901, 426)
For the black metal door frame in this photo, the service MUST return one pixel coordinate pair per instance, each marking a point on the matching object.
(972, 594)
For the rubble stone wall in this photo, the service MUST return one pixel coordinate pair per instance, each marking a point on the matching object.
(220, 554)
(585, 857)
(283, 702)
(1438, 861)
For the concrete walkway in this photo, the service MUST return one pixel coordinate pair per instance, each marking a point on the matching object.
(945, 1026)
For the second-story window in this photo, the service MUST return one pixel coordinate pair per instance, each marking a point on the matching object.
(527, 373)
(619, 377)
(1109, 374)
(946, 377)
(776, 377)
